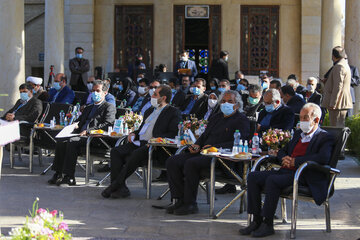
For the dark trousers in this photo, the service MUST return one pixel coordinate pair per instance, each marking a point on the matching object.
(272, 182)
(66, 153)
(125, 159)
(79, 86)
(184, 175)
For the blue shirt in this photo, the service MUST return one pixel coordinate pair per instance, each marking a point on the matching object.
(189, 107)
(138, 103)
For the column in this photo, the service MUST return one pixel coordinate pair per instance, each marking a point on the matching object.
(54, 37)
(352, 41)
(230, 34)
(331, 17)
(12, 50)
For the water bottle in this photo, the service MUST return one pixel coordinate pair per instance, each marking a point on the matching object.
(136, 125)
(65, 121)
(77, 107)
(246, 147)
(241, 146)
(126, 129)
(181, 130)
(62, 118)
(202, 129)
(236, 145)
(255, 144)
(292, 133)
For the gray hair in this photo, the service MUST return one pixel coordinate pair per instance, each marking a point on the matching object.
(237, 98)
(292, 82)
(275, 94)
(313, 79)
(316, 110)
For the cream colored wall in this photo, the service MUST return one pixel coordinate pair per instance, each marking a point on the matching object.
(289, 41)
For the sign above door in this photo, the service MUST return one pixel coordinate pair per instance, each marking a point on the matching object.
(197, 11)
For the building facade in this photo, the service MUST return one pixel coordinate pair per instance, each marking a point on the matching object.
(281, 36)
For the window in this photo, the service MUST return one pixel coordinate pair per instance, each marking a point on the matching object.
(260, 39)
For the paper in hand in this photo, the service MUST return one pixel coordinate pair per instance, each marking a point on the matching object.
(67, 131)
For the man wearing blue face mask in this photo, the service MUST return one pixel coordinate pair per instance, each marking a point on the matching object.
(265, 82)
(27, 108)
(60, 92)
(196, 103)
(184, 169)
(234, 82)
(178, 96)
(224, 86)
(99, 115)
(275, 115)
(79, 68)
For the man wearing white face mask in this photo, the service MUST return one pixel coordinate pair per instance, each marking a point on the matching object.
(60, 92)
(184, 169)
(152, 88)
(311, 94)
(185, 63)
(142, 97)
(311, 143)
(275, 114)
(196, 103)
(161, 120)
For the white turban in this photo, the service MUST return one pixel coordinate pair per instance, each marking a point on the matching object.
(34, 80)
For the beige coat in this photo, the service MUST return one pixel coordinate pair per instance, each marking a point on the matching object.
(337, 87)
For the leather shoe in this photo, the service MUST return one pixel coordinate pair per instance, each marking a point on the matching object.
(105, 168)
(161, 178)
(263, 231)
(249, 229)
(122, 192)
(170, 209)
(186, 209)
(227, 188)
(55, 178)
(107, 192)
(66, 180)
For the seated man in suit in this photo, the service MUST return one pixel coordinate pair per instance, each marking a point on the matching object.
(275, 115)
(185, 84)
(311, 143)
(27, 108)
(60, 92)
(152, 87)
(299, 91)
(236, 81)
(292, 100)
(38, 90)
(184, 169)
(197, 102)
(224, 85)
(276, 84)
(142, 97)
(159, 121)
(99, 115)
(108, 98)
(178, 96)
(311, 94)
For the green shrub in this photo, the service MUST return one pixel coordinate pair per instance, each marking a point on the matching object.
(353, 142)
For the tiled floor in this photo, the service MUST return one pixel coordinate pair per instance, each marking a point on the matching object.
(92, 217)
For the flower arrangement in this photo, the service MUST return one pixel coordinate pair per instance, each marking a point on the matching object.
(131, 118)
(276, 138)
(194, 124)
(42, 224)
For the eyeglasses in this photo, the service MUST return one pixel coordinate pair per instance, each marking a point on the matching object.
(153, 87)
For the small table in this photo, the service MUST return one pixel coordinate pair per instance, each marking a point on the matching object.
(89, 165)
(152, 145)
(242, 180)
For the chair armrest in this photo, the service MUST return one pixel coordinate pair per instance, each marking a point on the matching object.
(182, 149)
(121, 141)
(315, 166)
(262, 160)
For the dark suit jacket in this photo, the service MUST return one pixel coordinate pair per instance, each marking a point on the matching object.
(79, 69)
(200, 106)
(103, 117)
(295, 103)
(189, 65)
(146, 100)
(319, 150)
(166, 125)
(282, 118)
(178, 99)
(315, 98)
(66, 95)
(220, 130)
(29, 112)
(219, 69)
